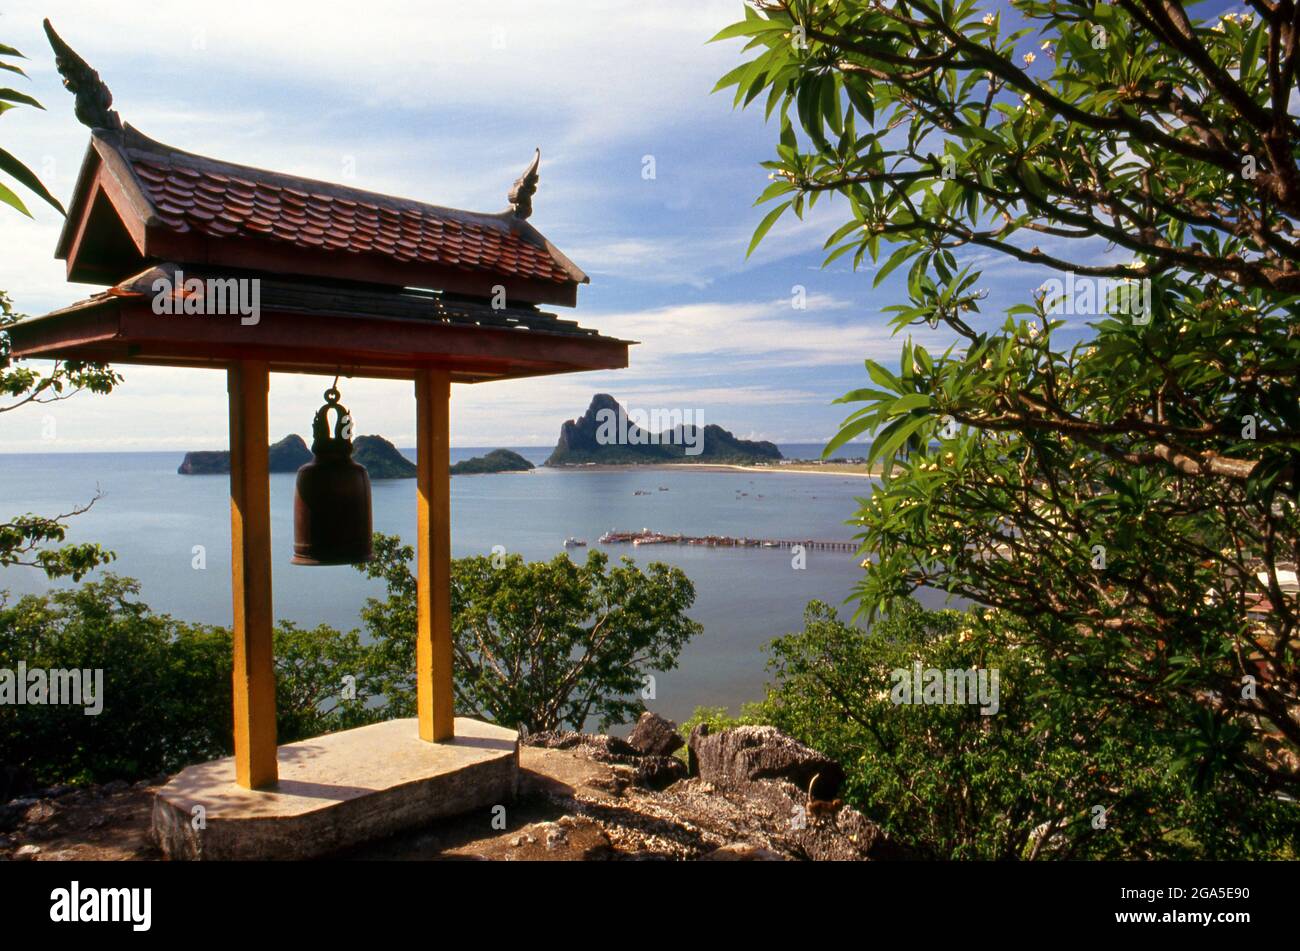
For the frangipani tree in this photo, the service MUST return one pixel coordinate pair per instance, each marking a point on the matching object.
(1119, 467)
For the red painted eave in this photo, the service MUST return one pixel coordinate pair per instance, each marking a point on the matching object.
(123, 329)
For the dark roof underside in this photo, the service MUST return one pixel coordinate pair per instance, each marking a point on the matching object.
(312, 327)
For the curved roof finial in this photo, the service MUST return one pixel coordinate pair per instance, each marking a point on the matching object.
(93, 97)
(525, 187)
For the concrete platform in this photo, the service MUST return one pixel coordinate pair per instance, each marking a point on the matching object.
(337, 790)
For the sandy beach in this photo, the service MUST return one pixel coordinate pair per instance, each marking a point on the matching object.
(796, 468)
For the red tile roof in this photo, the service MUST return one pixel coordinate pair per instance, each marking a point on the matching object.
(194, 195)
(224, 206)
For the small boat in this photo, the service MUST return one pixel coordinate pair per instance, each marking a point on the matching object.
(572, 542)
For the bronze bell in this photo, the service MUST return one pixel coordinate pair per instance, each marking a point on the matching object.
(331, 502)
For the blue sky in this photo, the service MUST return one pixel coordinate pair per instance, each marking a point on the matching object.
(445, 102)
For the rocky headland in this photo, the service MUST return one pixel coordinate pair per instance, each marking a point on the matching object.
(606, 435)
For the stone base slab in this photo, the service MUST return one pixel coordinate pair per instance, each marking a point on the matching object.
(336, 791)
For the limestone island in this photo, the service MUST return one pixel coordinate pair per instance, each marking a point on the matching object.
(498, 460)
(381, 458)
(608, 435)
(288, 455)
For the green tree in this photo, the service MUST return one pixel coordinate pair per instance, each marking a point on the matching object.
(1128, 485)
(321, 682)
(1029, 781)
(166, 691)
(24, 538)
(538, 645)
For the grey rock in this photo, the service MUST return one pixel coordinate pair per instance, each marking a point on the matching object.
(743, 809)
(654, 772)
(659, 772)
(655, 735)
(568, 740)
(12, 813)
(746, 754)
(39, 812)
(698, 732)
(556, 838)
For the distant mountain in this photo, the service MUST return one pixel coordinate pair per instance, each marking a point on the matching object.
(605, 435)
(381, 458)
(498, 460)
(287, 455)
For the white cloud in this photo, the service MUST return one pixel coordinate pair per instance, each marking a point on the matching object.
(427, 106)
(600, 67)
(754, 335)
(699, 253)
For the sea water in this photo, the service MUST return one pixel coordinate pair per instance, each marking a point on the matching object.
(159, 523)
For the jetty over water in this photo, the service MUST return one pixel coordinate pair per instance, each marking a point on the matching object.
(647, 537)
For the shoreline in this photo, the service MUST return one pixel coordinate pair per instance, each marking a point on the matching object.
(791, 469)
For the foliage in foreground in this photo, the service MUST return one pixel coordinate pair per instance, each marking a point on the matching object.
(166, 688)
(1118, 466)
(538, 645)
(11, 99)
(1032, 781)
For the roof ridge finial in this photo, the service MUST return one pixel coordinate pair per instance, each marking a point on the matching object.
(93, 98)
(525, 187)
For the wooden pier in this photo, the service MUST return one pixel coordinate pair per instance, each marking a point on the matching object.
(647, 537)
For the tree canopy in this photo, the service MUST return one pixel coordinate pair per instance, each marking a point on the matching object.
(1048, 776)
(1119, 469)
(541, 645)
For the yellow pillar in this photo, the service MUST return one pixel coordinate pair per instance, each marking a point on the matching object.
(250, 537)
(433, 653)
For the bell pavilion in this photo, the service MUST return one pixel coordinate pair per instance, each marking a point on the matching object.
(349, 283)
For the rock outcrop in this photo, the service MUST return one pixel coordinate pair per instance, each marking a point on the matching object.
(498, 460)
(581, 798)
(604, 434)
(654, 771)
(381, 458)
(745, 804)
(740, 757)
(288, 455)
(788, 791)
(655, 735)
